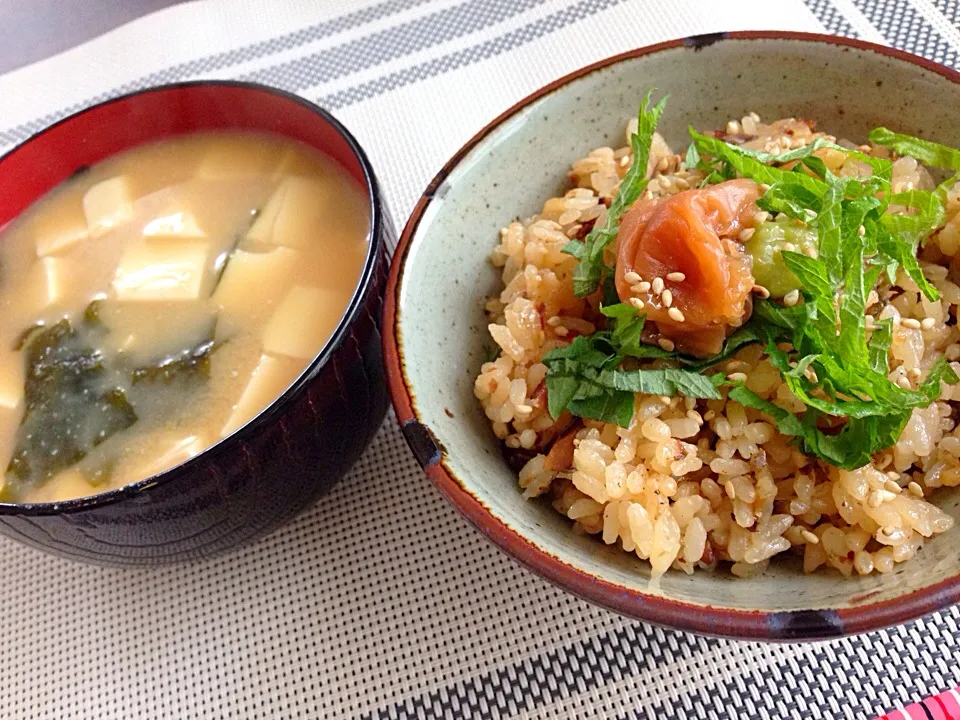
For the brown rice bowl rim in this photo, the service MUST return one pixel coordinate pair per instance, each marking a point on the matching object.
(702, 619)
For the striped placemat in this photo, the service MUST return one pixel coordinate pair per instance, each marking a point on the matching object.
(381, 602)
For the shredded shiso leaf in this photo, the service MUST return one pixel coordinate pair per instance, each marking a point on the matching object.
(833, 362)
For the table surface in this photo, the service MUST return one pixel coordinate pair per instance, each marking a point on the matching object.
(31, 30)
(381, 602)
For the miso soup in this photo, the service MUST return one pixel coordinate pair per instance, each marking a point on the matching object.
(157, 301)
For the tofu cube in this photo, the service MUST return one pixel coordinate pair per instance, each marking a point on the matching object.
(108, 204)
(57, 232)
(227, 158)
(296, 162)
(299, 211)
(45, 284)
(145, 331)
(171, 213)
(169, 270)
(181, 451)
(269, 379)
(11, 381)
(177, 224)
(67, 485)
(249, 282)
(303, 322)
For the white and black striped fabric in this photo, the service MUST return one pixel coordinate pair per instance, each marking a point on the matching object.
(381, 602)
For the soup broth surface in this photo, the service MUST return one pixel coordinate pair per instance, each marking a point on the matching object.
(157, 301)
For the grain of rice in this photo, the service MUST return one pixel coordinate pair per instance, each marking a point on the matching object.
(791, 298)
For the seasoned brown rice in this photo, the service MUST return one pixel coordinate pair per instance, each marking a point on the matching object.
(695, 483)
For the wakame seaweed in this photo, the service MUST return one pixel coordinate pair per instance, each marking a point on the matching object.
(69, 407)
(191, 363)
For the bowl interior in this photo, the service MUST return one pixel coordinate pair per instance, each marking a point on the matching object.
(441, 325)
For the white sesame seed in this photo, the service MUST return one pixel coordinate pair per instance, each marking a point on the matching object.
(695, 416)
(915, 489)
(761, 291)
(637, 290)
(709, 415)
(555, 320)
(764, 187)
(789, 247)
(524, 408)
(746, 234)
(875, 500)
(761, 217)
(791, 298)
(624, 161)
(737, 377)
(904, 382)
(676, 277)
(632, 277)
(861, 231)
(893, 474)
(561, 331)
(667, 298)
(666, 344)
(637, 303)
(810, 374)
(891, 486)
(666, 400)
(657, 285)
(928, 323)
(914, 373)
(809, 536)
(731, 490)
(810, 213)
(811, 252)
(675, 315)
(733, 127)
(911, 323)
(886, 495)
(643, 286)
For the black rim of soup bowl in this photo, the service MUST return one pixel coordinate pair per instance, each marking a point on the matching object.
(272, 412)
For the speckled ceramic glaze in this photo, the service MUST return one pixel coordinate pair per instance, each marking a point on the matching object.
(435, 329)
(281, 461)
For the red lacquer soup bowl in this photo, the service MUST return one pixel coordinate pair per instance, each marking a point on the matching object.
(252, 481)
